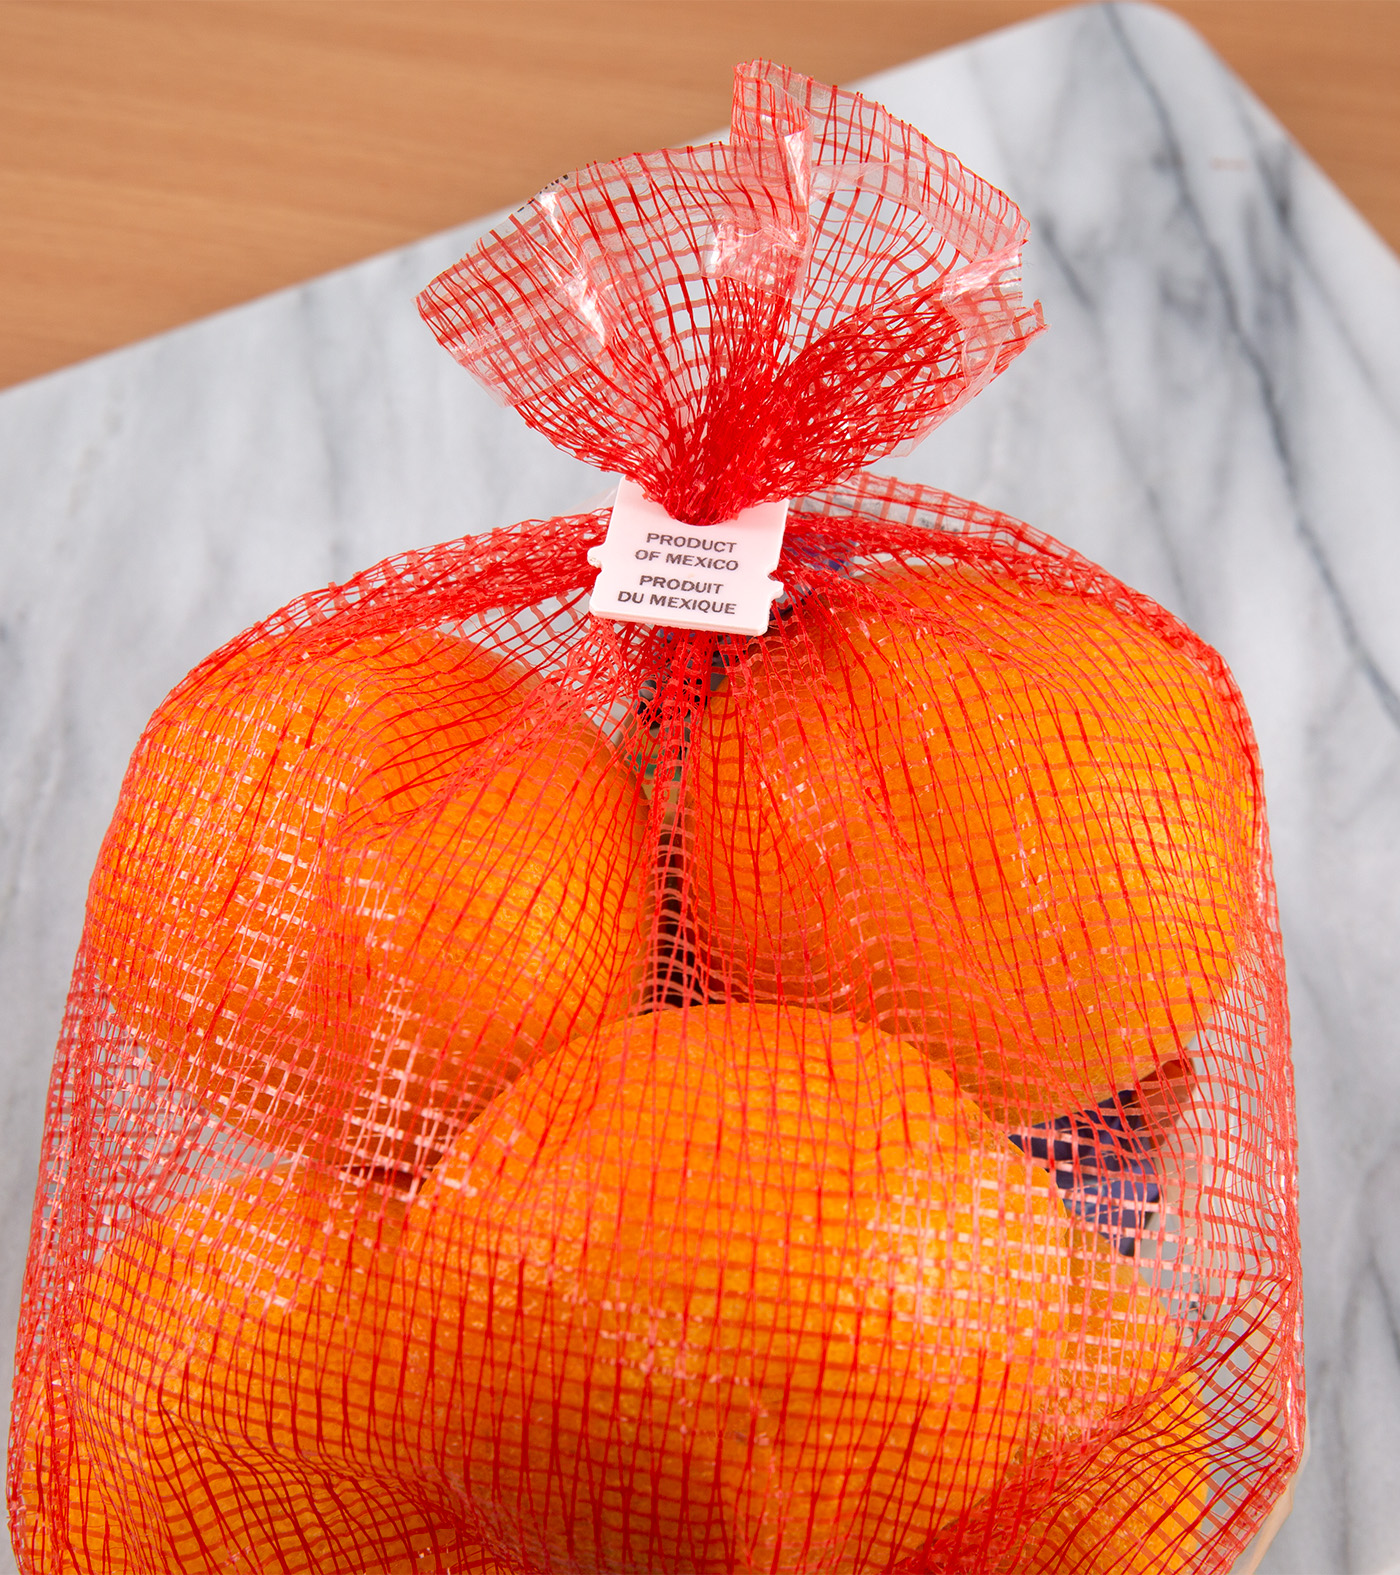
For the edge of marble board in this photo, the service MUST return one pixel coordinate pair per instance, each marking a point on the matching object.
(440, 248)
(430, 254)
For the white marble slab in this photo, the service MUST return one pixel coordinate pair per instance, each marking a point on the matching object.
(1215, 416)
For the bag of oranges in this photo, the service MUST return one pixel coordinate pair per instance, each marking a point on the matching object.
(566, 1072)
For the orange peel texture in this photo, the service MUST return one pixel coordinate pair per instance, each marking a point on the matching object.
(747, 1288)
(1144, 1512)
(1007, 822)
(348, 892)
(226, 1367)
(722, 1290)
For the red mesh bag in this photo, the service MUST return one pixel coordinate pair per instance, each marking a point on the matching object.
(554, 1094)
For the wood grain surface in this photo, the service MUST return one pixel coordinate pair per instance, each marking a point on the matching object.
(161, 159)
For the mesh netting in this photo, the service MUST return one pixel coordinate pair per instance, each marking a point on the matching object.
(544, 1095)
(737, 323)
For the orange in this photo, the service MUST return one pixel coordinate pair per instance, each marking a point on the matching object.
(733, 1289)
(352, 886)
(1143, 1513)
(226, 1369)
(1134, 1504)
(747, 1288)
(1009, 823)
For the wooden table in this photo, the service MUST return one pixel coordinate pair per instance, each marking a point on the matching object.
(161, 159)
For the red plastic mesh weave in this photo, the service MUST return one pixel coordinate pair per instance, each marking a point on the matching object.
(745, 321)
(548, 1095)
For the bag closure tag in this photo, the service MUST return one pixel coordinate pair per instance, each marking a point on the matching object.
(718, 578)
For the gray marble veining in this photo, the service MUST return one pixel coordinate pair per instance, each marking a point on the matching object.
(1215, 416)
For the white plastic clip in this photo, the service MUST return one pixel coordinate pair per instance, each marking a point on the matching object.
(714, 577)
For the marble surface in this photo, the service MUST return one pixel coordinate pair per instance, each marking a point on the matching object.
(1215, 416)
